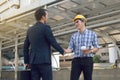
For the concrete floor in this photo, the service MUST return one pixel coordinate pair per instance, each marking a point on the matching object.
(64, 74)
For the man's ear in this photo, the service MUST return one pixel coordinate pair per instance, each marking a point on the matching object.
(42, 17)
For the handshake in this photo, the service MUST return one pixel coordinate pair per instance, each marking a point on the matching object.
(67, 51)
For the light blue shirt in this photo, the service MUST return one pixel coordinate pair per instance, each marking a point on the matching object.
(86, 38)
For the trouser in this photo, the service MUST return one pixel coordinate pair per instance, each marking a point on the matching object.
(80, 64)
(39, 71)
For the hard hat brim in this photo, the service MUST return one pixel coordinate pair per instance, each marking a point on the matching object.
(79, 19)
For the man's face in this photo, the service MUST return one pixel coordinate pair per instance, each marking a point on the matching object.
(78, 24)
(46, 17)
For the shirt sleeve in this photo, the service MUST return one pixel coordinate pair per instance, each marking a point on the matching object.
(71, 44)
(95, 41)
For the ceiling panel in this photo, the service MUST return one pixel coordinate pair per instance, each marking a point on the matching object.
(98, 12)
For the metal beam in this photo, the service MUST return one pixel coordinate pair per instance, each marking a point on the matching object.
(105, 15)
(13, 30)
(9, 4)
(59, 13)
(16, 25)
(84, 4)
(16, 57)
(3, 1)
(4, 36)
(99, 10)
(33, 6)
(105, 23)
(12, 46)
(109, 30)
(90, 18)
(91, 26)
(29, 12)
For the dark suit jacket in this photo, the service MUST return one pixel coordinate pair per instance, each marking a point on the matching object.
(37, 44)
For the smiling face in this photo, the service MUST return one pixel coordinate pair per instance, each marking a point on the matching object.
(79, 23)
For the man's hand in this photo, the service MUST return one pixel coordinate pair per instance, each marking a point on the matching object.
(67, 50)
(27, 66)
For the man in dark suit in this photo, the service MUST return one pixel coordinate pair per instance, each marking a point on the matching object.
(37, 51)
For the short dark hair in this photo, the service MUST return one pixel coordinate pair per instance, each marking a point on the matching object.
(39, 13)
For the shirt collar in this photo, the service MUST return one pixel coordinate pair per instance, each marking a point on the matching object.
(86, 30)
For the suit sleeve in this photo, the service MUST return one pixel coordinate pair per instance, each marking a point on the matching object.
(51, 39)
(26, 50)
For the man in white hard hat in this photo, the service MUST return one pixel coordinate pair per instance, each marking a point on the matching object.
(84, 44)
